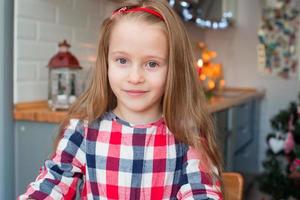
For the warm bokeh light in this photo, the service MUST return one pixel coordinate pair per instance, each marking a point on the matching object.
(211, 85)
(210, 73)
(200, 63)
(222, 83)
(213, 54)
(202, 77)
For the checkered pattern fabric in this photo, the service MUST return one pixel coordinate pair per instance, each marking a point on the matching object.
(117, 160)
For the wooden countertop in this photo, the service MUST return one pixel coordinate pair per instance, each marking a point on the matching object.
(39, 111)
(232, 97)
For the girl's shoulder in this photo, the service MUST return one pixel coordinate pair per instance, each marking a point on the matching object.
(78, 124)
(105, 117)
(81, 124)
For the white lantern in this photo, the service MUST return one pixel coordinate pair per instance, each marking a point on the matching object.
(63, 78)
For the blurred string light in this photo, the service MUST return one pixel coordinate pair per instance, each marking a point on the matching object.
(186, 13)
(172, 2)
(184, 4)
(223, 23)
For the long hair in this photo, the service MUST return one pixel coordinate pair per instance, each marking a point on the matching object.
(184, 104)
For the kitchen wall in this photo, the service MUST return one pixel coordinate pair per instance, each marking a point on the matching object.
(236, 49)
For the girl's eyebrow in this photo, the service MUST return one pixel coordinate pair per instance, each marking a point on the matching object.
(148, 56)
(120, 52)
(155, 57)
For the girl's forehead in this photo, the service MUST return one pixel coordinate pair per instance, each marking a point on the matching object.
(136, 24)
(138, 36)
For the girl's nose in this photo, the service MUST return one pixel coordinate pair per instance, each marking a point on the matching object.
(136, 75)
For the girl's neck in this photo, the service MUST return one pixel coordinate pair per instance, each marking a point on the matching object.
(138, 118)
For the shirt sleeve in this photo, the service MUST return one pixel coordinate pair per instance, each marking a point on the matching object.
(195, 183)
(59, 176)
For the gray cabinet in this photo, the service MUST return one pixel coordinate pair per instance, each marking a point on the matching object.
(238, 133)
(246, 126)
(33, 144)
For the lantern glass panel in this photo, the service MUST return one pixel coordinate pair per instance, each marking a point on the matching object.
(63, 87)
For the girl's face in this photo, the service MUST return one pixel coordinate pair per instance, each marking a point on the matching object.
(137, 66)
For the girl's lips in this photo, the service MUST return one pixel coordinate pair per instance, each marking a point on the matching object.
(135, 92)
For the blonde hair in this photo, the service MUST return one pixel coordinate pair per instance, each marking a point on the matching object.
(184, 104)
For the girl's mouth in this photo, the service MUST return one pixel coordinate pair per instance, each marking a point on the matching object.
(135, 92)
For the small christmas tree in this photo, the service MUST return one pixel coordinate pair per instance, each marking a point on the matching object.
(281, 176)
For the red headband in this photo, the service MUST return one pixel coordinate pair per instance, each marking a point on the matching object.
(135, 9)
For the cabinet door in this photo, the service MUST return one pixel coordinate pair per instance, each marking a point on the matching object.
(33, 145)
(242, 125)
(223, 136)
(246, 126)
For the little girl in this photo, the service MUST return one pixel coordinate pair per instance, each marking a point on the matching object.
(142, 129)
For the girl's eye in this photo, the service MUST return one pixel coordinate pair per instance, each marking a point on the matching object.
(121, 60)
(152, 64)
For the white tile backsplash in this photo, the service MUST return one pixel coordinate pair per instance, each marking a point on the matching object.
(32, 50)
(42, 71)
(36, 9)
(81, 53)
(54, 32)
(40, 25)
(94, 22)
(71, 17)
(87, 6)
(64, 3)
(32, 91)
(29, 29)
(26, 71)
(86, 37)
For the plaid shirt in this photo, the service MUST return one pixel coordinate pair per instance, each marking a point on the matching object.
(118, 160)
